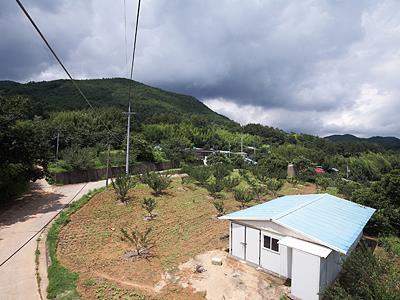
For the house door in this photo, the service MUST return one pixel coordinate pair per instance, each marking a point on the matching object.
(253, 245)
(238, 240)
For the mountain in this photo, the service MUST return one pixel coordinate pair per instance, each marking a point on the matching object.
(387, 142)
(149, 103)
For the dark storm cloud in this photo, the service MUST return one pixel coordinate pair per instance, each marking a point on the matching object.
(315, 66)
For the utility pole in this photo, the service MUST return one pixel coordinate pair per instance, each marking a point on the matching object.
(229, 153)
(58, 143)
(108, 163)
(128, 132)
(241, 145)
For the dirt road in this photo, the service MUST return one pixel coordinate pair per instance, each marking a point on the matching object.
(21, 222)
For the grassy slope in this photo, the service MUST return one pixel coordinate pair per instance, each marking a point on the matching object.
(61, 95)
(185, 226)
(62, 282)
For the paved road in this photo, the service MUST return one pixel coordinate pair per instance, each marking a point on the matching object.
(18, 224)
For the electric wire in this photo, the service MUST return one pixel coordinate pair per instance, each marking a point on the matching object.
(43, 227)
(63, 66)
(134, 50)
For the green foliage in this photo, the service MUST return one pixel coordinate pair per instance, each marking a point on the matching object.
(121, 185)
(62, 282)
(198, 173)
(79, 158)
(158, 182)
(323, 182)
(383, 196)
(214, 185)
(243, 196)
(274, 185)
(23, 146)
(149, 204)
(366, 276)
(231, 181)
(391, 244)
(219, 206)
(142, 241)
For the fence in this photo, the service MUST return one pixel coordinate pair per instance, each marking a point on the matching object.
(77, 176)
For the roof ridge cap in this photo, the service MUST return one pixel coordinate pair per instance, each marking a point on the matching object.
(291, 210)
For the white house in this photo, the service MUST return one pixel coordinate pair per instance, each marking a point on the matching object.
(301, 237)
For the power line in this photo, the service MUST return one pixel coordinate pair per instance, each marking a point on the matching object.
(43, 227)
(134, 49)
(61, 64)
(129, 113)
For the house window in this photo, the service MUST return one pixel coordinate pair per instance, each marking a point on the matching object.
(267, 242)
(271, 243)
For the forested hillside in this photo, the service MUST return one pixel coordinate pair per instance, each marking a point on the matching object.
(388, 142)
(151, 104)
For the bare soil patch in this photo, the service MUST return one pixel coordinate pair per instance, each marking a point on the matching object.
(232, 280)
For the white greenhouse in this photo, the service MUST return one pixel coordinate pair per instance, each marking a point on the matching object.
(303, 238)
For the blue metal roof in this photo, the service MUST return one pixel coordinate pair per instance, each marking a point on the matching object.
(329, 220)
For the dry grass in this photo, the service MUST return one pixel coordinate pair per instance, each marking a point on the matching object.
(185, 226)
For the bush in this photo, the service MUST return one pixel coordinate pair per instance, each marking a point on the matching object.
(198, 173)
(79, 158)
(220, 207)
(156, 181)
(322, 182)
(366, 276)
(391, 244)
(274, 185)
(142, 241)
(214, 185)
(243, 196)
(230, 182)
(149, 204)
(122, 184)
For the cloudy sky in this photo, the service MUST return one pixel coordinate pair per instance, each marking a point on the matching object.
(320, 67)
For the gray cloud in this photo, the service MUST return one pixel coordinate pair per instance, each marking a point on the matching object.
(315, 66)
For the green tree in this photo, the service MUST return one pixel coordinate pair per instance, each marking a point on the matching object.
(149, 204)
(24, 146)
(219, 206)
(243, 196)
(274, 185)
(366, 276)
(121, 185)
(158, 182)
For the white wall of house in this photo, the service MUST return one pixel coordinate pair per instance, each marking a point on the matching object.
(305, 275)
(310, 273)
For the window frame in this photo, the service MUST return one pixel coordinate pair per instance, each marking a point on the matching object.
(270, 243)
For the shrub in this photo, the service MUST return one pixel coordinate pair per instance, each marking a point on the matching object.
(149, 204)
(214, 185)
(243, 196)
(198, 173)
(230, 182)
(274, 185)
(366, 276)
(220, 207)
(156, 181)
(391, 244)
(322, 182)
(122, 184)
(142, 241)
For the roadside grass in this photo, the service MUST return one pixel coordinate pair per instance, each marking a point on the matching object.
(186, 225)
(62, 282)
